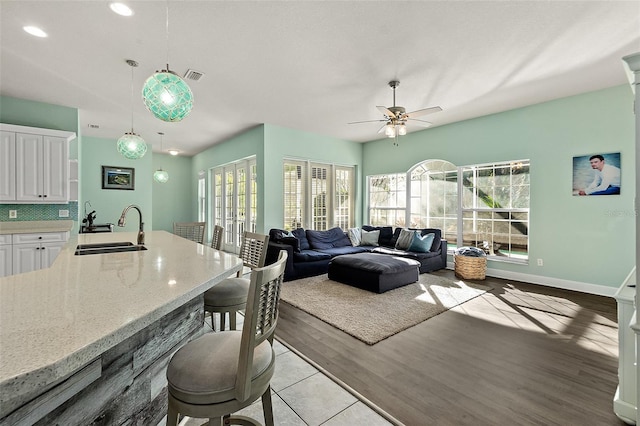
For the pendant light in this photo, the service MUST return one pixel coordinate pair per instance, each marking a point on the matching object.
(165, 94)
(160, 175)
(130, 145)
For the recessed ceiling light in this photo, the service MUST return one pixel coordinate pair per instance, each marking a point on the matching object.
(174, 152)
(34, 31)
(121, 9)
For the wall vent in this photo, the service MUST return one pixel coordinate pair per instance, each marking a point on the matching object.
(193, 75)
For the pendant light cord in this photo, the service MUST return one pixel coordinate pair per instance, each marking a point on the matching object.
(131, 96)
(167, 31)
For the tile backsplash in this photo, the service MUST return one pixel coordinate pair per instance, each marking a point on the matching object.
(29, 212)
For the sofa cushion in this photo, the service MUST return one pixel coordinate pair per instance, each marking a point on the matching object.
(404, 239)
(370, 238)
(404, 253)
(310, 256)
(355, 236)
(334, 237)
(421, 243)
(386, 233)
(282, 236)
(339, 251)
(301, 235)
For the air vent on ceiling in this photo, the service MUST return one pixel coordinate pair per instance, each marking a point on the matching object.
(93, 126)
(193, 75)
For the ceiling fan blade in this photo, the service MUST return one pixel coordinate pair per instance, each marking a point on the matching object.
(424, 111)
(419, 122)
(386, 111)
(382, 128)
(366, 121)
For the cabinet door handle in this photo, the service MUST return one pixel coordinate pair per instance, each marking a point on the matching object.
(40, 196)
(45, 195)
(40, 237)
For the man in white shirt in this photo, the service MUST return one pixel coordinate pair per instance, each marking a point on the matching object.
(607, 178)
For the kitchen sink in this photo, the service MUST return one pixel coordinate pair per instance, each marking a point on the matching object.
(104, 248)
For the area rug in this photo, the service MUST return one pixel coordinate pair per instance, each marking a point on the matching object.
(372, 317)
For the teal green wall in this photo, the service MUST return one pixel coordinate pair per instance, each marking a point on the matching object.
(281, 143)
(583, 239)
(47, 116)
(247, 144)
(173, 201)
(109, 203)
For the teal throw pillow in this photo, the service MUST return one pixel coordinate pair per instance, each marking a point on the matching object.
(421, 243)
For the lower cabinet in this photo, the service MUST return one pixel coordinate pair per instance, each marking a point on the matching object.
(36, 251)
(6, 255)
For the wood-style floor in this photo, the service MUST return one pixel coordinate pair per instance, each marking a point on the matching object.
(521, 354)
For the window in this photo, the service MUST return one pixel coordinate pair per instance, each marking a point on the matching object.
(495, 208)
(484, 205)
(318, 196)
(202, 200)
(387, 199)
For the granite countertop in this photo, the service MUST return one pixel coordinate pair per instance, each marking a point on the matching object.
(24, 227)
(55, 321)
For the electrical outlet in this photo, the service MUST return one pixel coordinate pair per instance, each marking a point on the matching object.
(63, 213)
(13, 214)
(540, 262)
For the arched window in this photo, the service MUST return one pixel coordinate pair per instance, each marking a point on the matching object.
(480, 205)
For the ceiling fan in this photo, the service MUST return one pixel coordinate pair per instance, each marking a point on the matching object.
(396, 117)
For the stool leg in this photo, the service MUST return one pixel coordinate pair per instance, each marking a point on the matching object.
(267, 407)
(232, 320)
(172, 414)
(223, 321)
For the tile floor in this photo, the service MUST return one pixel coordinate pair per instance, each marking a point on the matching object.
(303, 395)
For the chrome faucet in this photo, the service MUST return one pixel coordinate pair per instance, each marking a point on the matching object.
(122, 221)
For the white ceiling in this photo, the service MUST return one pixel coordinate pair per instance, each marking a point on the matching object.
(310, 65)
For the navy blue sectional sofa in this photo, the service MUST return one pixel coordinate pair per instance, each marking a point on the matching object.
(311, 251)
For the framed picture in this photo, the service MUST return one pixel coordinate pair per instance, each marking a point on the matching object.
(118, 177)
(597, 174)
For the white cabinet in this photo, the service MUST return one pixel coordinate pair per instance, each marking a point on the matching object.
(41, 168)
(6, 255)
(34, 165)
(36, 251)
(7, 166)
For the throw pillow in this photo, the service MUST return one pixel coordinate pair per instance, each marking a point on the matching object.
(355, 235)
(301, 235)
(322, 240)
(404, 239)
(386, 234)
(370, 238)
(421, 243)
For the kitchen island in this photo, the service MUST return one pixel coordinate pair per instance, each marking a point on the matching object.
(96, 331)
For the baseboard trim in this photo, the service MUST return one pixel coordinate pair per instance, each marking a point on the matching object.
(596, 289)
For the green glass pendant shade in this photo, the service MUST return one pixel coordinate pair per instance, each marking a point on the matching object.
(160, 176)
(132, 146)
(167, 96)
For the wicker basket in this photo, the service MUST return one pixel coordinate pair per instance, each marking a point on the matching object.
(470, 268)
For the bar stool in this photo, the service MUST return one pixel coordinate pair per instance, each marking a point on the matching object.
(230, 295)
(193, 231)
(220, 373)
(216, 239)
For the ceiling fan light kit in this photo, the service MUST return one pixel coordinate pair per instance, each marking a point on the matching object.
(396, 117)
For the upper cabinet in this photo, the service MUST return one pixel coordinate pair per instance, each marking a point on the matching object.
(35, 168)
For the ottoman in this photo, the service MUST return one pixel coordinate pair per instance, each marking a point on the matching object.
(373, 272)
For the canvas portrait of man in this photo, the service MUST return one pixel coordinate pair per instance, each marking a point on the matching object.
(597, 174)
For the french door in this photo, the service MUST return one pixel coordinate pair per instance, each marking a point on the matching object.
(234, 201)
